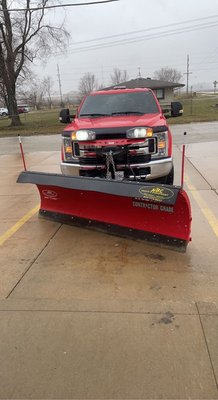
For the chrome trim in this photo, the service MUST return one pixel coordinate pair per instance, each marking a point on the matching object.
(140, 151)
(149, 164)
(138, 176)
(158, 168)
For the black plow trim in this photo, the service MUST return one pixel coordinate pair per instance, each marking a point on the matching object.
(160, 240)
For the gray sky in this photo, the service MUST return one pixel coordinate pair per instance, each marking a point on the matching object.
(151, 53)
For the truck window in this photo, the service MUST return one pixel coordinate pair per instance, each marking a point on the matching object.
(109, 104)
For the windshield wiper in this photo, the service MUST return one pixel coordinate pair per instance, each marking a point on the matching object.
(94, 115)
(127, 112)
(114, 113)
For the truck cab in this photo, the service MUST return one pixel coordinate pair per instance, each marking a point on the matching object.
(119, 134)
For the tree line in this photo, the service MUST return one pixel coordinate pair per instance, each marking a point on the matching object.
(28, 34)
(25, 35)
(89, 82)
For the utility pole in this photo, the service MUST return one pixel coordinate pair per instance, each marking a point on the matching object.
(139, 74)
(102, 75)
(187, 73)
(59, 81)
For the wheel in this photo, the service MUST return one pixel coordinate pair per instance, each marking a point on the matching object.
(4, 114)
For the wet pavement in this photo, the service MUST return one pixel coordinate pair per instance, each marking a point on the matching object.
(85, 315)
(195, 133)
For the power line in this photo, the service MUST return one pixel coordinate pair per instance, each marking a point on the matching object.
(144, 30)
(146, 66)
(59, 5)
(144, 37)
(132, 66)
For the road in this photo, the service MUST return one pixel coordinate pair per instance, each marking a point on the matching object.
(85, 315)
(195, 133)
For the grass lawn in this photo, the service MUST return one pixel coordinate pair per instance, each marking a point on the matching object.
(197, 109)
(34, 123)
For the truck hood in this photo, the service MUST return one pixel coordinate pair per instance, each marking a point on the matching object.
(117, 121)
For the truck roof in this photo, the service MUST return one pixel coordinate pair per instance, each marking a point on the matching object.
(119, 90)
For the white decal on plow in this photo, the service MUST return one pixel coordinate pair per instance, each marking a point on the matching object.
(49, 194)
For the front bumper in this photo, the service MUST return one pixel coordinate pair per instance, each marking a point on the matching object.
(158, 168)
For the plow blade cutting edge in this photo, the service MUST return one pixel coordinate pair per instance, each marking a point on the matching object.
(146, 211)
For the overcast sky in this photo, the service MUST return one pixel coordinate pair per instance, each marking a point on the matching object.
(157, 44)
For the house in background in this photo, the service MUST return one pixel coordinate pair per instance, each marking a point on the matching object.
(164, 90)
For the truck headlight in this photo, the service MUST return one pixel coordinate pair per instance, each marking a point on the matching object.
(162, 145)
(84, 135)
(138, 133)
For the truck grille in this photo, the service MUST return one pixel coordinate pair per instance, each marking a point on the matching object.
(118, 159)
(112, 135)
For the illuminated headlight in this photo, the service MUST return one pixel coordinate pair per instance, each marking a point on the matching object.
(85, 135)
(138, 133)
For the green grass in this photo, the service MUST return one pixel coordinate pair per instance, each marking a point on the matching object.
(33, 123)
(197, 109)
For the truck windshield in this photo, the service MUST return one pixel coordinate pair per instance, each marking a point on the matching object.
(118, 104)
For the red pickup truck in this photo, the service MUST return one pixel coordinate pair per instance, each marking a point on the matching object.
(119, 134)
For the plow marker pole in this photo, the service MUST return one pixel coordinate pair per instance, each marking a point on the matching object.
(183, 165)
(22, 153)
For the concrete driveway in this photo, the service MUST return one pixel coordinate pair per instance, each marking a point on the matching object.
(84, 315)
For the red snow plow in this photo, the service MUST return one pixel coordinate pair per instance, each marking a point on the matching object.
(119, 146)
(154, 212)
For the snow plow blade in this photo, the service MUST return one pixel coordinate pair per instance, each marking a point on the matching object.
(158, 213)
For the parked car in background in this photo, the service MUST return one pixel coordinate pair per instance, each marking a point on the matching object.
(3, 111)
(23, 109)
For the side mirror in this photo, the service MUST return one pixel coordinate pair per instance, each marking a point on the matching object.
(64, 116)
(176, 109)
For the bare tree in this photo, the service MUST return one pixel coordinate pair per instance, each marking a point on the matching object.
(87, 84)
(48, 85)
(119, 76)
(24, 79)
(168, 74)
(101, 86)
(34, 93)
(3, 94)
(24, 35)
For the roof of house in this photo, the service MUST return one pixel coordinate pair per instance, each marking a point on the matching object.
(146, 83)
